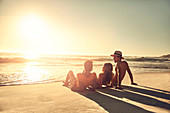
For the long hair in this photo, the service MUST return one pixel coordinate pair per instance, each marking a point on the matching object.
(108, 72)
(109, 66)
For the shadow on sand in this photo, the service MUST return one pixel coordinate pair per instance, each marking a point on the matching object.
(112, 100)
(150, 91)
(155, 89)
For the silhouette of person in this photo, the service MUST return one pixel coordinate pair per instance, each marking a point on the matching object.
(84, 80)
(107, 75)
(120, 70)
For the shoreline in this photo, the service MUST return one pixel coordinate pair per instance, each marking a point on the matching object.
(47, 81)
(149, 96)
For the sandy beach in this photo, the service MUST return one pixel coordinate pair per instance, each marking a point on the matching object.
(42, 40)
(151, 95)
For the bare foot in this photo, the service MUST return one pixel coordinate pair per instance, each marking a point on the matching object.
(65, 84)
(118, 88)
(134, 84)
(91, 88)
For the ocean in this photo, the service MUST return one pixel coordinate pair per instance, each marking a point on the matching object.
(15, 69)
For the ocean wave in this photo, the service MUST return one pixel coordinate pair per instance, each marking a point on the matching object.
(65, 64)
(65, 59)
(14, 60)
(148, 59)
(52, 59)
(152, 67)
(81, 58)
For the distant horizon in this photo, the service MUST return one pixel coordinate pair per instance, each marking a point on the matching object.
(20, 53)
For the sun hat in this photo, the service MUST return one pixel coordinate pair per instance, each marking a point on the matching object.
(117, 53)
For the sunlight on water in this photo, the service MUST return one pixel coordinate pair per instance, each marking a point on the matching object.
(32, 63)
(16, 70)
(31, 55)
(34, 73)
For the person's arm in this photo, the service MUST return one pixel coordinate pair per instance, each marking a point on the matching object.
(130, 74)
(118, 77)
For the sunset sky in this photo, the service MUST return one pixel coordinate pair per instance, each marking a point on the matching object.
(95, 27)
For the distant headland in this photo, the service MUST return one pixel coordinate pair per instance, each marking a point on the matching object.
(166, 56)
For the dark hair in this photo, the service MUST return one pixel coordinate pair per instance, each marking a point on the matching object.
(109, 65)
(88, 64)
(108, 73)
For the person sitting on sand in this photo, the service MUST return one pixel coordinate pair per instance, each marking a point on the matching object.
(120, 70)
(105, 77)
(84, 80)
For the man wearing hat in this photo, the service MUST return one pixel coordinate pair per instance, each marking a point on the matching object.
(120, 70)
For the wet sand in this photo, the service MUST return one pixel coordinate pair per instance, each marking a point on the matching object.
(151, 95)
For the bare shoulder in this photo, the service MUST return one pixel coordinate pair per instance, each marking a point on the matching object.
(79, 74)
(122, 63)
(101, 73)
(93, 73)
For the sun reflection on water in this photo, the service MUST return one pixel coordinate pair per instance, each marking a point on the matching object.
(35, 73)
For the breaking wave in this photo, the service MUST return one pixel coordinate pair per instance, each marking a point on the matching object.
(148, 59)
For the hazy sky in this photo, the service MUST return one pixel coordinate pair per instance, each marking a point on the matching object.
(136, 27)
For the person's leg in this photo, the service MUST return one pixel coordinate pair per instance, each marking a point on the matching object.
(66, 83)
(100, 79)
(78, 85)
(94, 81)
(114, 81)
(70, 76)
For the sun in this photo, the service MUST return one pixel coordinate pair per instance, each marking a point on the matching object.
(40, 35)
(35, 32)
(33, 26)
